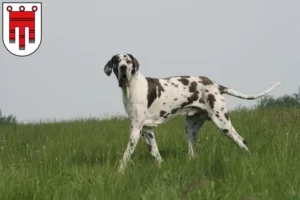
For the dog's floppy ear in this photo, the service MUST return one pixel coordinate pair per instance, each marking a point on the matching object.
(108, 68)
(136, 64)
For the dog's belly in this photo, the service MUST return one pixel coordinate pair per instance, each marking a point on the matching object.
(162, 117)
(155, 121)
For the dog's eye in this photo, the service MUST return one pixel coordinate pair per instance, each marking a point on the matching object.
(128, 61)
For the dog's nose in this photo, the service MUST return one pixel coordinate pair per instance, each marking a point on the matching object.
(123, 68)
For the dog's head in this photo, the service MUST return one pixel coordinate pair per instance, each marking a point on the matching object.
(125, 66)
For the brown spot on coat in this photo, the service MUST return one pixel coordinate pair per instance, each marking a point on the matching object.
(162, 113)
(184, 81)
(222, 89)
(191, 99)
(150, 135)
(154, 90)
(226, 116)
(173, 111)
(225, 130)
(211, 100)
(194, 135)
(193, 87)
(131, 144)
(174, 84)
(205, 80)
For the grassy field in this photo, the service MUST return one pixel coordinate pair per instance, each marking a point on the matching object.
(78, 160)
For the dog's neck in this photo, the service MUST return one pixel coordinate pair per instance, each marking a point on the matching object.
(133, 83)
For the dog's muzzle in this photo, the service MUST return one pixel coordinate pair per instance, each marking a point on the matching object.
(123, 81)
(123, 78)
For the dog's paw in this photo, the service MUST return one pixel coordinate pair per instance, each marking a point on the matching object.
(158, 162)
(191, 157)
(121, 168)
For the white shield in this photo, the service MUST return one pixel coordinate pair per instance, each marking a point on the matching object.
(22, 27)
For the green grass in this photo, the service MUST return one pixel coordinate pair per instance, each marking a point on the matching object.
(79, 159)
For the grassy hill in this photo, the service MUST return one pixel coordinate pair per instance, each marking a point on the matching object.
(78, 160)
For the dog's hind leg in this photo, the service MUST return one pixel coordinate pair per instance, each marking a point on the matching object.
(223, 123)
(217, 112)
(192, 127)
(149, 136)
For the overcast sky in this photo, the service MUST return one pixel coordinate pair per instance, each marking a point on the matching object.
(245, 45)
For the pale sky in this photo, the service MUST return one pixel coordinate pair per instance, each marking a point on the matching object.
(245, 45)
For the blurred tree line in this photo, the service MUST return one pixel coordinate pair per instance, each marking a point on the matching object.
(292, 100)
(9, 119)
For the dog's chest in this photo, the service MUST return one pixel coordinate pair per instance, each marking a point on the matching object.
(134, 98)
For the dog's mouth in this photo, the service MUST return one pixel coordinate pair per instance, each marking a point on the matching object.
(123, 81)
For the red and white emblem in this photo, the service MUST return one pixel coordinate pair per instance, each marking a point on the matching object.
(22, 27)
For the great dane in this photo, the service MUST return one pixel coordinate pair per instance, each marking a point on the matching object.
(152, 101)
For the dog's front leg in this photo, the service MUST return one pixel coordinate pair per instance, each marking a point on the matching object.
(134, 138)
(148, 133)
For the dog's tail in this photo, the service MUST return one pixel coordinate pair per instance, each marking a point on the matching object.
(245, 96)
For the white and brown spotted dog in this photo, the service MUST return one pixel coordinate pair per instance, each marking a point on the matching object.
(152, 101)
